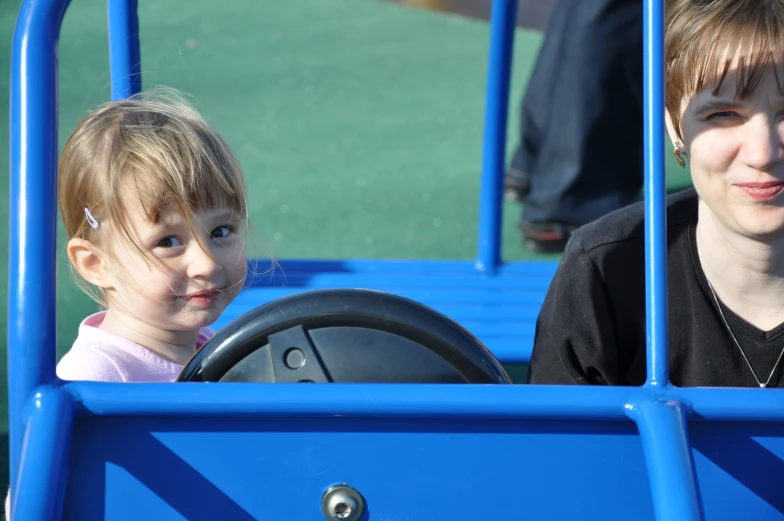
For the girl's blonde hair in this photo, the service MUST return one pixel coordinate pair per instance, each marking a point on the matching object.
(704, 38)
(152, 150)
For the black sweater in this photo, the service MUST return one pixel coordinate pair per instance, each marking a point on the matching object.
(591, 329)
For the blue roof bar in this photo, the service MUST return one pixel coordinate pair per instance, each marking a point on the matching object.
(499, 67)
(124, 54)
(32, 215)
(655, 194)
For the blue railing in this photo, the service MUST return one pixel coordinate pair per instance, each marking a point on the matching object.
(33, 216)
(488, 257)
(124, 53)
(655, 193)
(44, 412)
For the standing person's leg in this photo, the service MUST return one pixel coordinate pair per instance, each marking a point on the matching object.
(538, 99)
(581, 150)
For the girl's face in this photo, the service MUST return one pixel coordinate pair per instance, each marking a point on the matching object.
(736, 155)
(180, 287)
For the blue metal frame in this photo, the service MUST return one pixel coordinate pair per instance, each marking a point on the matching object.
(33, 216)
(50, 418)
(655, 194)
(488, 257)
(124, 53)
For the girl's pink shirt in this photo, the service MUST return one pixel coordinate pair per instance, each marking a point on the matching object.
(99, 356)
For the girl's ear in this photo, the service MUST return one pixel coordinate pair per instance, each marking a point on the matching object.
(90, 262)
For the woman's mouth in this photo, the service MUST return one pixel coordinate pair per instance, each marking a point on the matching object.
(761, 191)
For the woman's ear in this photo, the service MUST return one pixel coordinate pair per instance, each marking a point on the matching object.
(90, 262)
(671, 128)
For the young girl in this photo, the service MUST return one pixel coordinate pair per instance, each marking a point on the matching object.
(153, 202)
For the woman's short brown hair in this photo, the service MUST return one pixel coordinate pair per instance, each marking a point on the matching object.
(704, 38)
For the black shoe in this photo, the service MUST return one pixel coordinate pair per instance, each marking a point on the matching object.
(546, 237)
(515, 185)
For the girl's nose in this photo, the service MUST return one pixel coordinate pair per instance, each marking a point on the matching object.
(201, 264)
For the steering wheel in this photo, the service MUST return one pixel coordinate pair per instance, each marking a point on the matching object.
(344, 335)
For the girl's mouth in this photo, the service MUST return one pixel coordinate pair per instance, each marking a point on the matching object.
(202, 298)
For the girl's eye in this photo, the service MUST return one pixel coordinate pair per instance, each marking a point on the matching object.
(169, 242)
(221, 232)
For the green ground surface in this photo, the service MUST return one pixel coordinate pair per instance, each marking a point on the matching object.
(359, 122)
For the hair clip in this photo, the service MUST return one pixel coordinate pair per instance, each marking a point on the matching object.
(90, 218)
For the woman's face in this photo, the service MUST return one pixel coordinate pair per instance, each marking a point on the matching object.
(735, 150)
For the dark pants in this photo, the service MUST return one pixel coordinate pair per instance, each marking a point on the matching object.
(581, 149)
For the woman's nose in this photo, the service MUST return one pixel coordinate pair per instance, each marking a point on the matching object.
(763, 144)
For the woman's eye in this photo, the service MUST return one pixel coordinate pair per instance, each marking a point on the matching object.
(169, 242)
(222, 232)
(725, 114)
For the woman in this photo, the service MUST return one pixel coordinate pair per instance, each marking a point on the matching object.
(725, 115)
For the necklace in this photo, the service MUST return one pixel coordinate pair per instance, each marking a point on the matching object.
(732, 335)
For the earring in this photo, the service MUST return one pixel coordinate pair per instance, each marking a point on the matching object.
(679, 155)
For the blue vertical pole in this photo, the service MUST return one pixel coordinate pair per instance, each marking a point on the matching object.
(33, 210)
(124, 54)
(502, 27)
(662, 423)
(665, 440)
(655, 213)
(40, 491)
